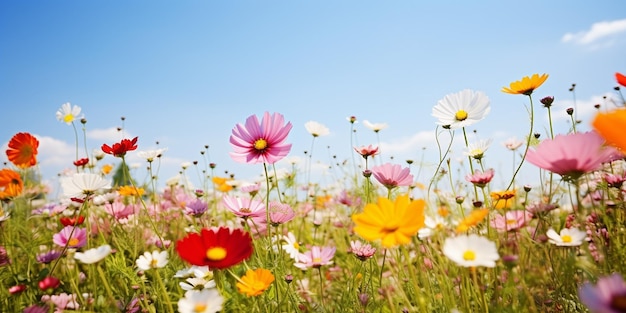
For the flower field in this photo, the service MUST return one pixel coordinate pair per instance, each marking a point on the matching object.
(383, 242)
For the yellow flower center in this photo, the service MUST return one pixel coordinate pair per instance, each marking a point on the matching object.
(245, 210)
(199, 307)
(461, 115)
(469, 255)
(154, 263)
(260, 144)
(72, 242)
(296, 245)
(317, 260)
(511, 222)
(68, 118)
(566, 238)
(216, 253)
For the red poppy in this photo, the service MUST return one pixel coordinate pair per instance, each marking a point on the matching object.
(11, 184)
(621, 79)
(72, 221)
(120, 149)
(216, 248)
(81, 162)
(23, 150)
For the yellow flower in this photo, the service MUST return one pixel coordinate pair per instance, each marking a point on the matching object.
(526, 86)
(610, 126)
(255, 282)
(106, 169)
(221, 183)
(472, 220)
(130, 191)
(503, 199)
(392, 222)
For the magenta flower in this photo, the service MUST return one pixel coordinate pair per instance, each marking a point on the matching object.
(244, 207)
(480, 179)
(315, 258)
(262, 142)
(572, 155)
(607, 296)
(392, 175)
(73, 239)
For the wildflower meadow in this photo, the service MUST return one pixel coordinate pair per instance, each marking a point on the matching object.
(379, 239)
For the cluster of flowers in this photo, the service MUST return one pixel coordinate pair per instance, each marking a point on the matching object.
(249, 240)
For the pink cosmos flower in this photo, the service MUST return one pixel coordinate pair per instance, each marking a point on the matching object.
(280, 213)
(361, 251)
(480, 179)
(260, 142)
(366, 151)
(62, 301)
(511, 220)
(73, 239)
(606, 296)
(315, 258)
(572, 155)
(392, 175)
(119, 210)
(244, 207)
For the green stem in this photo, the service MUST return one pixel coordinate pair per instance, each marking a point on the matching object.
(530, 135)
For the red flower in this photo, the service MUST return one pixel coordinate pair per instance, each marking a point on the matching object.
(17, 289)
(23, 150)
(49, 283)
(120, 149)
(621, 79)
(217, 248)
(72, 221)
(81, 162)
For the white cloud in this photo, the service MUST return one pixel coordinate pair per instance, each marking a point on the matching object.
(597, 32)
(107, 135)
(408, 146)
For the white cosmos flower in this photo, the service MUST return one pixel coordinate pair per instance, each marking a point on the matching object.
(150, 155)
(376, 127)
(68, 113)
(94, 255)
(316, 129)
(477, 150)
(471, 251)
(82, 184)
(291, 246)
(152, 260)
(431, 225)
(567, 237)
(461, 109)
(201, 301)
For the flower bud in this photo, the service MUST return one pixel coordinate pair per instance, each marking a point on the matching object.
(570, 111)
(547, 101)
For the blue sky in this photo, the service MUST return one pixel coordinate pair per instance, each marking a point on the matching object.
(184, 73)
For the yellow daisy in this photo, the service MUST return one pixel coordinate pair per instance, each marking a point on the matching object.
(526, 86)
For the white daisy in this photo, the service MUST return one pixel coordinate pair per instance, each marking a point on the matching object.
(376, 127)
(431, 225)
(477, 150)
(291, 246)
(94, 255)
(152, 260)
(567, 237)
(316, 129)
(68, 113)
(471, 251)
(461, 109)
(82, 184)
(201, 301)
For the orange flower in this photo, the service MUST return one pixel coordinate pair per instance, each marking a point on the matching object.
(502, 199)
(255, 282)
(621, 79)
(221, 183)
(526, 86)
(130, 191)
(23, 150)
(472, 220)
(11, 184)
(610, 126)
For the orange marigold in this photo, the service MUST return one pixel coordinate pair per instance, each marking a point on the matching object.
(610, 126)
(255, 282)
(11, 184)
(22, 150)
(130, 191)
